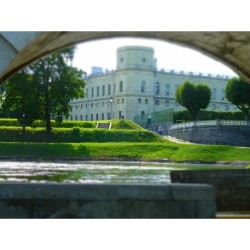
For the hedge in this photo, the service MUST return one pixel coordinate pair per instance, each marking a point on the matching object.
(183, 116)
(76, 134)
(116, 124)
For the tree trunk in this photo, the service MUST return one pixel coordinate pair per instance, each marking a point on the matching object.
(47, 110)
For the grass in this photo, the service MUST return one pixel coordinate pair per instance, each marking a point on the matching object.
(126, 140)
(144, 151)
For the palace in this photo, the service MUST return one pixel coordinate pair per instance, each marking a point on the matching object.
(138, 88)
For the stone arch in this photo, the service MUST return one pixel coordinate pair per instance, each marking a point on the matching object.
(18, 49)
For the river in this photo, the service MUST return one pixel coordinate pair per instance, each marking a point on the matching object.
(88, 171)
(85, 172)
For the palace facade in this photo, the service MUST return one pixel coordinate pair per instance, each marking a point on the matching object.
(138, 88)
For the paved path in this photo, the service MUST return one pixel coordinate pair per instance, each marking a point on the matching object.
(173, 139)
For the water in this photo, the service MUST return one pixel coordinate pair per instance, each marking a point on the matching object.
(94, 171)
(85, 172)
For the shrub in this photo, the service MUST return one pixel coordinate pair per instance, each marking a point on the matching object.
(14, 134)
(208, 115)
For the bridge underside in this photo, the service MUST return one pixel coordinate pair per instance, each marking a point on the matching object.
(18, 49)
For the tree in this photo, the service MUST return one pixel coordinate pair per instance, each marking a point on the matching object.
(54, 81)
(22, 99)
(193, 97)
(238, 93)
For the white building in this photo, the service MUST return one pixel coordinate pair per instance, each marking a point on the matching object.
(137, 88)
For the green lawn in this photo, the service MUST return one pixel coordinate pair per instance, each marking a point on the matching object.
(126, 140)
(144, 151)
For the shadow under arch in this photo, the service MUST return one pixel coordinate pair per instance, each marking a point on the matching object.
(230, 48)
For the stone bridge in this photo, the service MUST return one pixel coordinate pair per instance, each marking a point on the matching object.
(18, 49)
(18, 200)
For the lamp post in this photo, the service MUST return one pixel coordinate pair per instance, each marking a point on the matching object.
(111, 108)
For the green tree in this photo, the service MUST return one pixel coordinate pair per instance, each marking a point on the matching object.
(238, 93)
(193, 97)
(55, 81)
(22, 99)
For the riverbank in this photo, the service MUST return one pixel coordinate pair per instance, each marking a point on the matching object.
(167, 151)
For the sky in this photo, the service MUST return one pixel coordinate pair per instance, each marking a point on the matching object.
(102, 53)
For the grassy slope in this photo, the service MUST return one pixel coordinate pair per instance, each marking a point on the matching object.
(143, 150)
(159, 150)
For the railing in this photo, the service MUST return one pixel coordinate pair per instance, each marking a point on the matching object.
(210, 123)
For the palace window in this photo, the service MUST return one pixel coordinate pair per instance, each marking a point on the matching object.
(103, 90)
(157, 88)
(167, 89)
(98, 91)
(146, 101)
(139, 100)
(92, 92)
(222, 96)
(109, 89)
(121, 86)
(143, 86)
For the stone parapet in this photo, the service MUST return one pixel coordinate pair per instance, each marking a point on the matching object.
(232, 186)
(31, 200)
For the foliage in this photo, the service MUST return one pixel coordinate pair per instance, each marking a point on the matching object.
(116, 124)
(76, 134)
(184, 116)
(238, 93)
(22, 99)
(193, 97)
(45, 88)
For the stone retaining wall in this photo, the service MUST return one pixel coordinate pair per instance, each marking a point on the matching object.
(224, 135)
(232, 186)
(30, 200)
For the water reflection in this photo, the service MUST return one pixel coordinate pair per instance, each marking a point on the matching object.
(85, 172)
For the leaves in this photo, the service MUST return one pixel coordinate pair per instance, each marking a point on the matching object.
(44, 89)
(194, 97)
(238, 93)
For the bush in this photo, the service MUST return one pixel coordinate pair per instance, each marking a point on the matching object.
(9, 122)
(116, 124)
(208, 115)
(14, 134)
